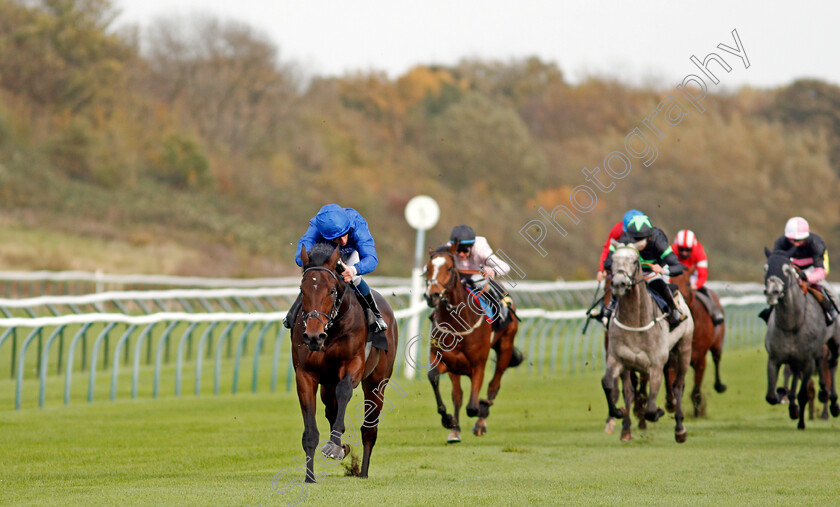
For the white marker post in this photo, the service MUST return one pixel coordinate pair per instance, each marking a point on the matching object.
(422, 213)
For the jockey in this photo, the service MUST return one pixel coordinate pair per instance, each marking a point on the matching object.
(615, 233)
(347, 229)
(692, 255)
(655, 255)
(811, 257)
(474, 253)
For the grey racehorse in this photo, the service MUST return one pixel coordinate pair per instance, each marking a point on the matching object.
(640, 340)
(796, 334)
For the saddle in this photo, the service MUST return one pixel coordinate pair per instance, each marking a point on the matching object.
(376, 338)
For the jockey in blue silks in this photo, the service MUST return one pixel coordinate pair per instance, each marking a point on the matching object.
(347, 229)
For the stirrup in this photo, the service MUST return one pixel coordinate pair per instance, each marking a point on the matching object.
(380, 324)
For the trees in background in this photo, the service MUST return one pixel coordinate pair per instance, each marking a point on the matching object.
(208, 135)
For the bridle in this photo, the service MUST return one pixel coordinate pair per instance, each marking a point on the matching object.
(789, 281)
(333, 316)
(636, 267)
(450, 283)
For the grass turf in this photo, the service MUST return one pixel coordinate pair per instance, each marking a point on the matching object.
(545, 445)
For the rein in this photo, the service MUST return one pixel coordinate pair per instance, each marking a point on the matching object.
(450, 284)
(333, 316)
(633, 283)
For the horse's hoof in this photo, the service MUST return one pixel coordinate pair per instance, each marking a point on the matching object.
(480, 428)
(484, 408)
(609, 429)
(720, 388)
(454, 437)
(670, 406)
(626, 436)
(642, 424)
(823, 396)
(448, 421)
(800, 426)
(773, 399)
(681, 436)
(793, 410)
(654, 416)
(781, 392)
(333, 451)
(617, 413)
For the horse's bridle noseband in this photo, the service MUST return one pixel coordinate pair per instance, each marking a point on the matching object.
(636, 266)
(450, 284)
(336, 301)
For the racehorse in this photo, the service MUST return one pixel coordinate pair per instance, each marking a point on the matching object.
(330, 349)
(461, 339)
(707, 337)
(640, 339)
(639, 382)
(796, 334)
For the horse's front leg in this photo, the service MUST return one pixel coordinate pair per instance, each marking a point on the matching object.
(772, 377)
(447, 420)
(457, 401)
(652, 412)
(833, 354)
(306, 389)
(609, 383)
(683, 359)
(629, 393)
(343, 392)
(803, 395)
(473, 407)
(793, 409)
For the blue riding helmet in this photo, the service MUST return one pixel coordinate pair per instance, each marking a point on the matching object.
(332, 221)
(629, 216)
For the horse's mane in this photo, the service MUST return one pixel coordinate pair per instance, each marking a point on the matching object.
(442, 248)
(320, 253)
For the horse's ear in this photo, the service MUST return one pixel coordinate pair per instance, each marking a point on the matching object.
(453, 247)
(614, 243)
(767, 252)
(334, 258)
(304, 257)
(766, 267)
(638, 245)
(431, 252)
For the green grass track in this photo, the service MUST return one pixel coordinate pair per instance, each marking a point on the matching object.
(545, 446)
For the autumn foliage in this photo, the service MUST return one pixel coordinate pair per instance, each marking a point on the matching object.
(207, 135)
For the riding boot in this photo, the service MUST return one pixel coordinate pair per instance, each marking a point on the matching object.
(675, 316)
(715, 311)
(599, 315)
(608, 311)
(289, 320)
(765, 314)
(829, 309)
(371, 304)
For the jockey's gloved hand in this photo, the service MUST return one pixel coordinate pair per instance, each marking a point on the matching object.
(803, 276)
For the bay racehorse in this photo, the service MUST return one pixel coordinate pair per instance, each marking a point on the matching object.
(707, 337)
(330, 349)
(640, 340)
(796, 335)
(461, 339)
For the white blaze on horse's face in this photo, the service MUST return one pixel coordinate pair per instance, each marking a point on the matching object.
(625, 265)
(436, 263)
